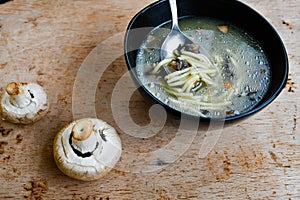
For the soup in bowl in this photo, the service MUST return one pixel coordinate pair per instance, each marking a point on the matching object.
(236, 66)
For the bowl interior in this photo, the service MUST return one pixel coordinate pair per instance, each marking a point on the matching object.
(231, 11)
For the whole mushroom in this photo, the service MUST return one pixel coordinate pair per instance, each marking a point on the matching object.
(23, 103)
(87, 149)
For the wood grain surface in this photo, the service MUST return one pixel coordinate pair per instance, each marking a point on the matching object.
(47, 42)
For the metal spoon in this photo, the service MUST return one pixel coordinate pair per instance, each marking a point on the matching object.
(176, 37)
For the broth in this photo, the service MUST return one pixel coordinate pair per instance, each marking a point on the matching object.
(236, 66)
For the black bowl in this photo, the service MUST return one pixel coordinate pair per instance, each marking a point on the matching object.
(232, 11)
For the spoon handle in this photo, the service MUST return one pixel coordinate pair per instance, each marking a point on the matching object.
(173, 7)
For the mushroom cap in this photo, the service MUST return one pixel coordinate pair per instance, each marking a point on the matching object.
(92, 167)
(35, 110)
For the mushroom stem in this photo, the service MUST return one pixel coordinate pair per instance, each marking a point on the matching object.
(84, 137)
(18, 97)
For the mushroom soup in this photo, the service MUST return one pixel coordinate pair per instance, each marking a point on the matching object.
(226, 73)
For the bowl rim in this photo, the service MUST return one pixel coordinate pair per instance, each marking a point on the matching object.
(252, 111)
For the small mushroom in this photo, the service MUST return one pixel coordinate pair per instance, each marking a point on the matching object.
(87, 149)
(23, 103)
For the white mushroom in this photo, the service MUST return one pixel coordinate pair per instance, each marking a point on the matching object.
(87, 149)
(23, 103)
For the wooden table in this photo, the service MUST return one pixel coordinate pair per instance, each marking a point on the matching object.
(47, 41)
